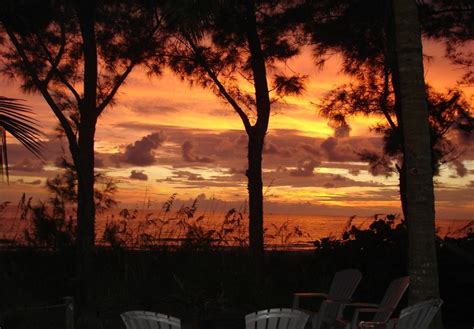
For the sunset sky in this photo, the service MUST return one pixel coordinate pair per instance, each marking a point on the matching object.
(163, 137)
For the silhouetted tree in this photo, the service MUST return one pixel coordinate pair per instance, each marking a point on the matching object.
(364, 33)
(450, 115)
(15, 118)
(450, 21)
(420, 203)
(227, 46)
(77, 54)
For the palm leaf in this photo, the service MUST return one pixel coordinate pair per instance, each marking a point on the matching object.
(15, 118)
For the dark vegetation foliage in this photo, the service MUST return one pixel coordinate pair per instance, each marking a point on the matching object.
(209, 287)
(202, 275)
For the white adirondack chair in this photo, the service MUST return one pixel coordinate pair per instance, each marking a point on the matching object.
(340, 293)
(276, 318)
(149, 320)
(418, 316)
(382, 311)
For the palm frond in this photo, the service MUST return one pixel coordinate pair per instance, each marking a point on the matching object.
(16, 119)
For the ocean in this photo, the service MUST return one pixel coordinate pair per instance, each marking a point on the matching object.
(146, 225)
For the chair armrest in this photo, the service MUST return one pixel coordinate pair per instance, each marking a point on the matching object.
(338, 301)
(298, 295)
(372, 325)
(310, 294)
(374, 309)
(355, 317)
(391, 324)
(360, 305)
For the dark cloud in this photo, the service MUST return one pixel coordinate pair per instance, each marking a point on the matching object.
(231, 144)
(311, 149)
(138, 175)
(27, 165)
(189, 156)
(342, 131)
(151, 106)
(339, 152)
(140, 153)
(99, 161)
(270, 148)
(52, 148)
(187, 175)
(460, 168)
(34, 182)
(354, 171)
(285, 177)
(134, 125)
(305, 168)
(233, 171)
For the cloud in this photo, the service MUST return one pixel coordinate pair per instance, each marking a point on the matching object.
(461, 169)
(271, 148)
(138, 175)
(99, 161)
(354, 171)
(305, 168)
(151, 106)
(189, 156)
(339, 152)
(311, 149)
(342, 131)
(288, 177)
(34, 182)
(28, 165)
(187, 175)
(140, 153)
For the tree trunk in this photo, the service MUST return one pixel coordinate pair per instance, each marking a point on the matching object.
(403, 189)
(256, 140)
(86, 226)
(255, 187)
(85, 170)
(420, 209)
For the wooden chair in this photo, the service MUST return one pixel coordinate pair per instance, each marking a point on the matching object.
(340, 293)
(149, 320)
(418, 316)
(276, 318)
(382, 311)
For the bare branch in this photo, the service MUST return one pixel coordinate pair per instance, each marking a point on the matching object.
(201, 61)
(127, 71)
(44, 91)
(54, 65)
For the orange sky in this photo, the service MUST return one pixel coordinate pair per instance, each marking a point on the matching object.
(199, 149)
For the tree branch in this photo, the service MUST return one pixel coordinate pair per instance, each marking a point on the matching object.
(54, 66)
(114, 89)
(383, 101)
(45, 93)
(127, 71)
(201, 61)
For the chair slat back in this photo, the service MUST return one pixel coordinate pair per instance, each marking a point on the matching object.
(344, 284)
(392, 297)
(420, 315)
(342, 288)
(149, 320)
(276, 318)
